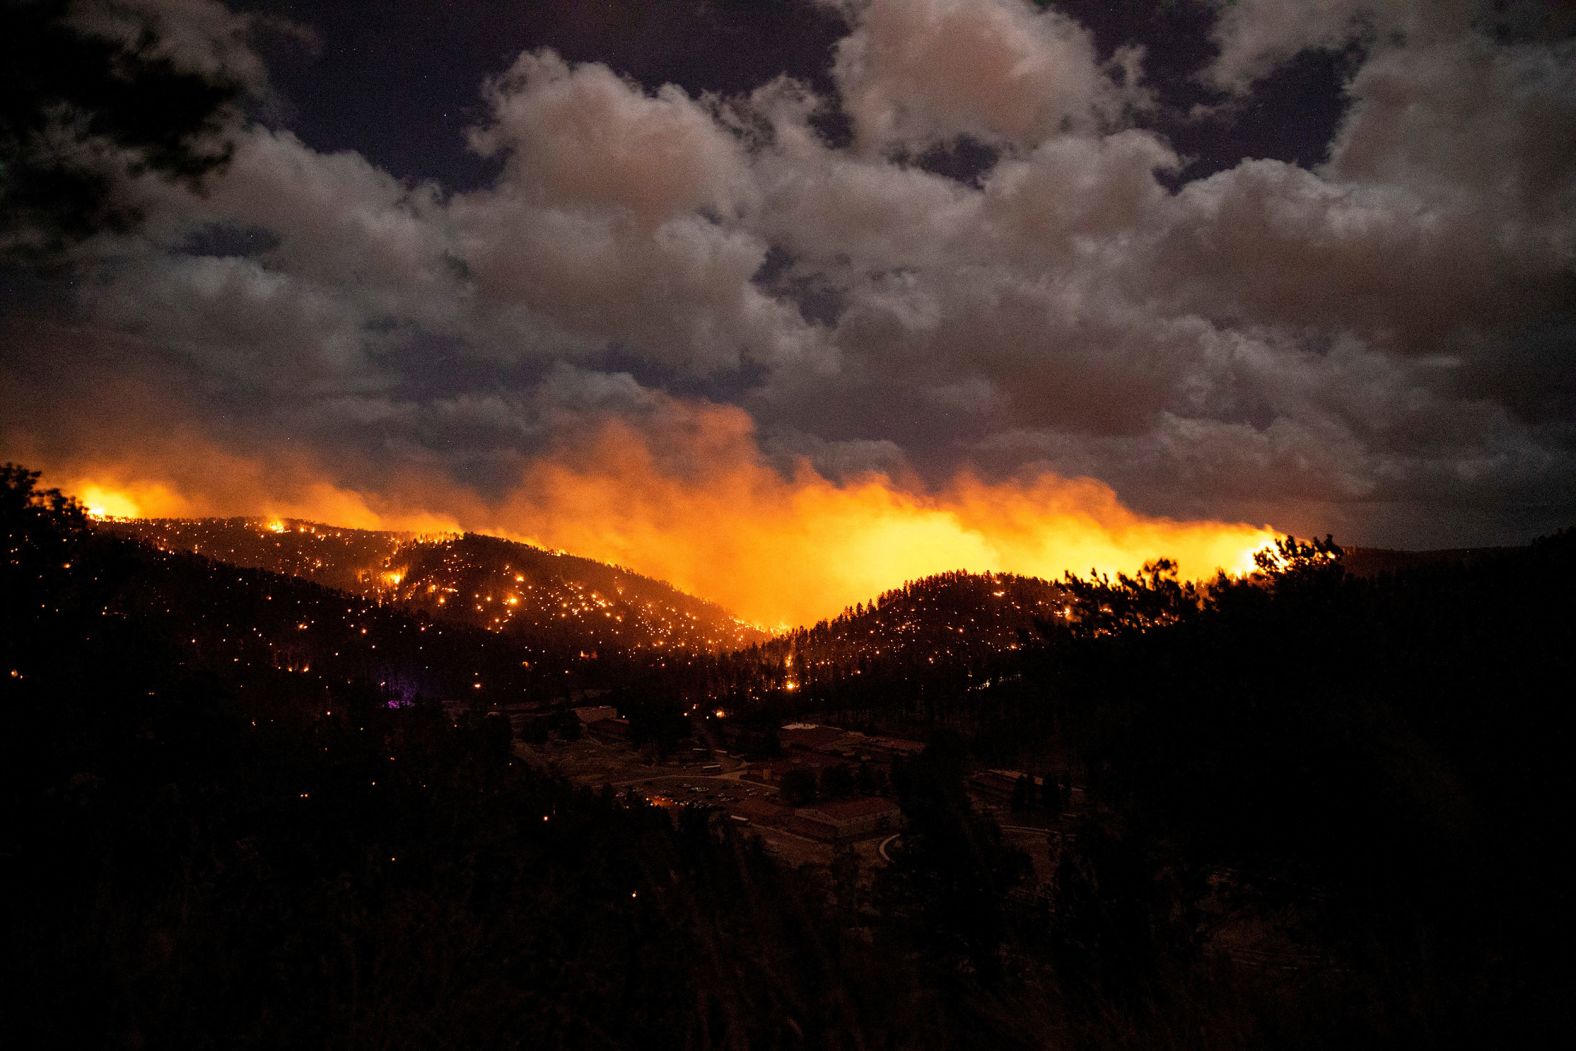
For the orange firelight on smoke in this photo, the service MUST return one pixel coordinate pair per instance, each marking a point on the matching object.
(701, 508)
(114, 500)
(790, 550)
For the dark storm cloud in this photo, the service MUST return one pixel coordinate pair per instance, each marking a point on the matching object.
(1377, 339)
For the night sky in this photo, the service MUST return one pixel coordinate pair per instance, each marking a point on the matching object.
(628, 276)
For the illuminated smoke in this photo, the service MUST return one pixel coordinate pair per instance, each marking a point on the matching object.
(712, 517)
(789, 550)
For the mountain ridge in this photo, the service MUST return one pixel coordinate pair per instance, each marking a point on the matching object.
(503, 585)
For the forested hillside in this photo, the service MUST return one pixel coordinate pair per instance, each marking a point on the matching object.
(499, 585)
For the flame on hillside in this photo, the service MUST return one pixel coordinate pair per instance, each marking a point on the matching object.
(101, 501)
(717, 521)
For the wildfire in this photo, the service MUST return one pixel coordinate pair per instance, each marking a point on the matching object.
(775, 548)
(113, 500)
(773, 545)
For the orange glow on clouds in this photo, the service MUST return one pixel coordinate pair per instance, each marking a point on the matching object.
(715, 520)
(783, 551)
(143, 491)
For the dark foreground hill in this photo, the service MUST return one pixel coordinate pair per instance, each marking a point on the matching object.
(546, 597)
(1306, 810)
(1349, 783)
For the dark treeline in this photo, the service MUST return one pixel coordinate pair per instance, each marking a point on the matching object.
(1387, 757)
(1368, 774)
